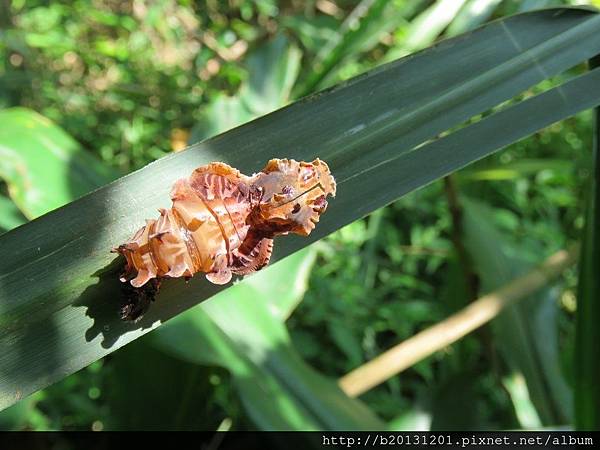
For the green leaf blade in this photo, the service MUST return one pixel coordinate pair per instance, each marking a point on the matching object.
(243, 329)
(587, 353)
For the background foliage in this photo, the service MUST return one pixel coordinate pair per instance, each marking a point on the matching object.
(118, 84)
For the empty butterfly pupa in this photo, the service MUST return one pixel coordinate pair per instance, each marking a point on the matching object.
(223, 223)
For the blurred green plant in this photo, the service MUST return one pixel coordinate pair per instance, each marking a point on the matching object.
(42, 166)
(526, 332)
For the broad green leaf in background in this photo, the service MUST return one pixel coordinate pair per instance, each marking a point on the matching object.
(10, 216)
(279, 288)
(526, 413)
(22, 410)
(428, 26)
(471, 15)
(42, 165)
(313, 32)
(273, 69)
(448, 18)
(284, 284)
(221, 114)
(430, 23)
(525, 332)
(59, 288)
(587, 353)
(272, 74)
(359, 32)
(242, 329)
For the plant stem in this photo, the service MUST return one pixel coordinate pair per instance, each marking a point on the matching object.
(370, 251)
(470, 277)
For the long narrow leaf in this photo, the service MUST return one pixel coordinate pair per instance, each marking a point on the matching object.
(10, 216)
(359, 32)
(587, 354)
(432, 22)
(474, 13)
